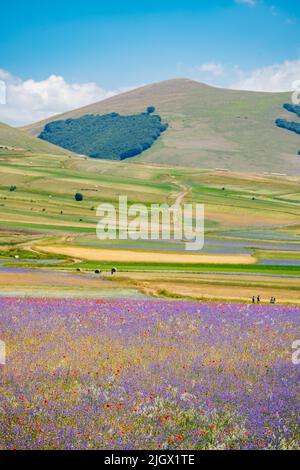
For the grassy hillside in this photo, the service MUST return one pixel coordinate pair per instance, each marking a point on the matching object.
(208, 127)
(15, 139)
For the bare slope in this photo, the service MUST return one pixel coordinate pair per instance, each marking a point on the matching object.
(208, 127)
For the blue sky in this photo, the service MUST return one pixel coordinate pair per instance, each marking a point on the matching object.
(119, 44)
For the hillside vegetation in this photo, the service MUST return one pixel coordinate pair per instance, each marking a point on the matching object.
(15, 139)
(290, 125)
(208, 127)
(293, 108)
(111, 136)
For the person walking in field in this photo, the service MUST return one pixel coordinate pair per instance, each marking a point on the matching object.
(258, 299)
(253, 300)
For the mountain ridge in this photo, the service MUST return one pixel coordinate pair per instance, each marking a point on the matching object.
(209, 127)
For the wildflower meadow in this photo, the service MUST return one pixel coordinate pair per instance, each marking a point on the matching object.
(147, 374)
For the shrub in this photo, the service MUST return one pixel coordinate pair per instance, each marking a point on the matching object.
(13, 188)
(78, 197)
(150, 109)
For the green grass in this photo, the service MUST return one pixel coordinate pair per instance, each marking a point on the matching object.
(277, 255)
(160, 267)
(47, 228)
(27, 255)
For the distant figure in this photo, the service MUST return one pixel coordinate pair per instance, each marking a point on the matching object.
(273, 300)
(253, 300)
(258, 299)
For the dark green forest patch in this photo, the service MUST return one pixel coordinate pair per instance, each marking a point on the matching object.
(290, 125)
(110, 136)
(292, 108)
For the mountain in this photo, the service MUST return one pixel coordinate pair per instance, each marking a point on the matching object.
(208, 127)
(16, 139)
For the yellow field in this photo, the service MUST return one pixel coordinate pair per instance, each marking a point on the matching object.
(97, 254)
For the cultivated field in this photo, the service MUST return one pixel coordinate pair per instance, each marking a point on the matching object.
(251, 226)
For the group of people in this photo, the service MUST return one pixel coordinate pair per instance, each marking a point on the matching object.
(272, 300)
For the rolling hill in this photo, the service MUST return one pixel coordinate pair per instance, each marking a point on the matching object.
(15, 139)
(208, 127)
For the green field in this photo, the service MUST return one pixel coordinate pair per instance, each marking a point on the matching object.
(250, 215)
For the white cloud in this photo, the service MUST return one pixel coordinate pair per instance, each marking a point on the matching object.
(274, 78)
(212, 68)
(4, 75)
(250, 3)
(31, 100)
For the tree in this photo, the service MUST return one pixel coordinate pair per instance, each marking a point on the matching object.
(78, 197)
(150, 109)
